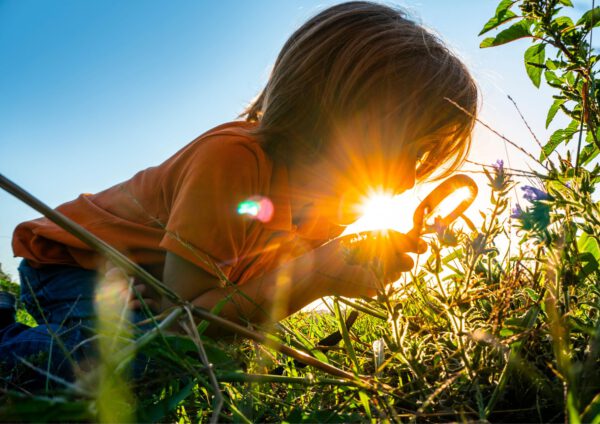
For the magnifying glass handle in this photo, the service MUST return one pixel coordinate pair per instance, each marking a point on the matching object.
(427, 207)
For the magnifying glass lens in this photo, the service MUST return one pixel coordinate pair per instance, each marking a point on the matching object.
(448, 205)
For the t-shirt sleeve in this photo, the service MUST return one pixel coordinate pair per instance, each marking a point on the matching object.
(203, 226)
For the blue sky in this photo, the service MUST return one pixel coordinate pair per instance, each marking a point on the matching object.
(93, 91)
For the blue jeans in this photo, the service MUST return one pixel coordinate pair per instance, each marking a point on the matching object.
(61, 300)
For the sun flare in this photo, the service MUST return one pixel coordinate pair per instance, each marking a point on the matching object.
(380, 211)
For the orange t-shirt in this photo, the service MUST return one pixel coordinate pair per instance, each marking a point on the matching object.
(188, 205)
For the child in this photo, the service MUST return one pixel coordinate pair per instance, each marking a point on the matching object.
(358, 99)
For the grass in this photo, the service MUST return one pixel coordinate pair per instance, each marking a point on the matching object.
(472, 336)
(475, 334)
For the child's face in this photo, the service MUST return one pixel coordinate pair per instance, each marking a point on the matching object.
(364, 155)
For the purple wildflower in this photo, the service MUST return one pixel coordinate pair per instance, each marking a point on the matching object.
(444, 233)
(517, 212)
(498, 166)
(498, 181)
(533, 194)
(438, 226)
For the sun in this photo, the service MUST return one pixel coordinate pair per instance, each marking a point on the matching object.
(382, 211)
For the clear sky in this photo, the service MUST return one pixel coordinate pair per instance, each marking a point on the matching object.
(93, 91)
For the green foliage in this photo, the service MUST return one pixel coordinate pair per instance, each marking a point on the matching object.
(572, 70)
(503, 15)
(534, 62)
(558, 137)
(562, 219)
(6, 284)
(516, 31)
(554, 109)
(590, 19)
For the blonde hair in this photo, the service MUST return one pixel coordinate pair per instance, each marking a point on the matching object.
(355, 55)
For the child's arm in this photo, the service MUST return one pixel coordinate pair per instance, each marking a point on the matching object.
(284, 290)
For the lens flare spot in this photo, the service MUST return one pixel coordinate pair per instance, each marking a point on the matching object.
(257, 207)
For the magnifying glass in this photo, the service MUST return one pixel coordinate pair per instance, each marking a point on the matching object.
(427, 216)
(458, 191)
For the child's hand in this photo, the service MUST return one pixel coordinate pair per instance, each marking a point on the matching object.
(383, 251)
(150, 298)
(128, 287)
(363, 263)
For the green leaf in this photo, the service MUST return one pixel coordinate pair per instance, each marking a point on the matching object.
(215, 310)
(514, 32)
(553, 110)
(18, 408)
(589, 264)
(549, 147)
(535, 57)
(533, 295)
(563, 23)
(346, 337)
(364, 399)
(590, 19)
(503, 14)
(503, 6)
(589, 136)
(587, 243)
(558, 137)
(553, 65)
(155, 412)
(571, 130)
(455, 254)
(566, 3)
(591, 413)
(496, 21)
(551, 78)
(588, 153)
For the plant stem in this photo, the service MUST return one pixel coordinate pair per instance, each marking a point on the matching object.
(236, 377)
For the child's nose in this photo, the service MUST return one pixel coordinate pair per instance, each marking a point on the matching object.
(406, 180)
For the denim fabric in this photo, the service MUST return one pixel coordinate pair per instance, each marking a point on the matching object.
(57, 294)
(61, 299)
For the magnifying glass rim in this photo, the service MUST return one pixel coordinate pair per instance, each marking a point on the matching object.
(437, 196)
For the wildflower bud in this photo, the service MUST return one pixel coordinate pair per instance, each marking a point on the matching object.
(533, 194)
(517, 212)
(498, 182)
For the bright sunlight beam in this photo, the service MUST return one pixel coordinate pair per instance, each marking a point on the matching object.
(384, 211)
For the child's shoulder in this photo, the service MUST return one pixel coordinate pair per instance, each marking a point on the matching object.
(235, 138)
(226, 153)
(233, 128)
(230, 132)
